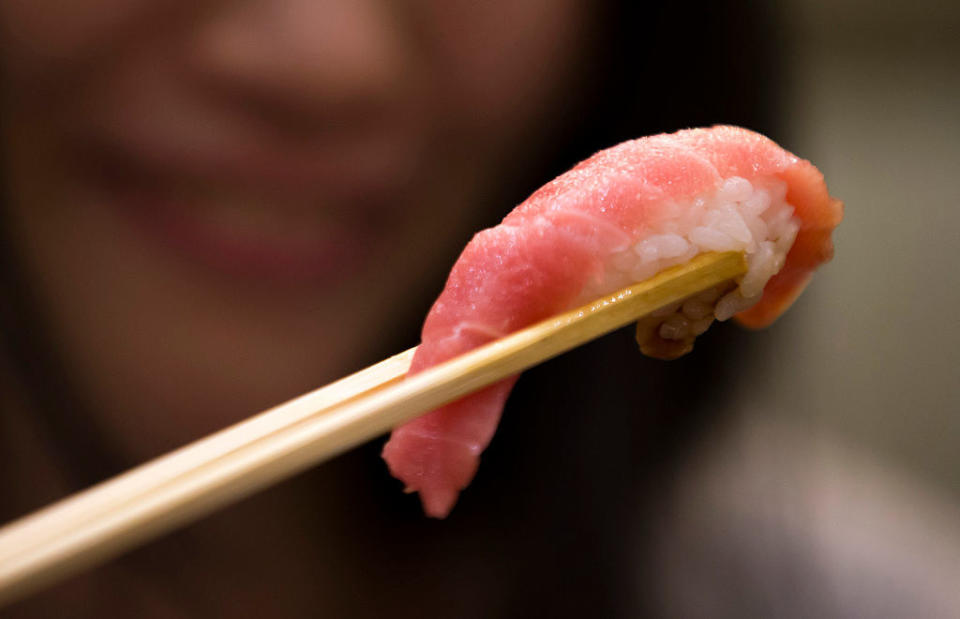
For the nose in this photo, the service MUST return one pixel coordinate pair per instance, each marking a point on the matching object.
(306, 57)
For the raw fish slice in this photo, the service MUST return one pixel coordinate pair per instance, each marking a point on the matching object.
(739, 152)
(582, 235)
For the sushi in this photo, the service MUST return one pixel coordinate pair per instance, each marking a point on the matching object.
(619, 217)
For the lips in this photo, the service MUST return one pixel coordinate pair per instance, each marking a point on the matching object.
(295, 215)
(255, 241)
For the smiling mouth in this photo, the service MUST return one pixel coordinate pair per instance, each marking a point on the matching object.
(249, 228)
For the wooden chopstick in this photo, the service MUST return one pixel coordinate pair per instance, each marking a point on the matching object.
(101, 498)
(173, 490)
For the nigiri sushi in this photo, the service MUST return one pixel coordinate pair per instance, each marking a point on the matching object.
(619, 217)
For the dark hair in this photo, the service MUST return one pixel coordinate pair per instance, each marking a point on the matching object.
(30, 366)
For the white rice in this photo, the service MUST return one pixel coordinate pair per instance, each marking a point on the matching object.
(740, 216)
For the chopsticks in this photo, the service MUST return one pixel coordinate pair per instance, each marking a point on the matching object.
(171, 491)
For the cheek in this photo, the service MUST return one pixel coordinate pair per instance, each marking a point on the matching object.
(502, 61)
(41, 37)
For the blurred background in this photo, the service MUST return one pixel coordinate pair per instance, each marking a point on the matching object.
(207, 207)
(855, 391)
(872, 98)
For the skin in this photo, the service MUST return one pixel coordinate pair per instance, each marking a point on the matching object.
(214, 203)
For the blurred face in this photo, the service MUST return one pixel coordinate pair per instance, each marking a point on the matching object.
(222, 204)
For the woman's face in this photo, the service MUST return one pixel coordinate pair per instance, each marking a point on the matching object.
(224, 203)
